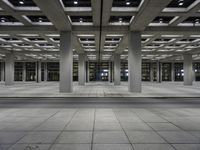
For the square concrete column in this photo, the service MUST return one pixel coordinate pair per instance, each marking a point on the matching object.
(117, 69)
(81, 69)
(188, 69)
(134, 62)
(9, 69)
(2, 71)
(66, 62)
(39, 72)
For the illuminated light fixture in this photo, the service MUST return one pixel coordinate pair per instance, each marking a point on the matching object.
(3, 20)
(180, 2)
(160, 20)
(81, 20)
(75, 2)
(128, 2)
(40, 19)
(21, 2)
(197, 21)
(120, 20)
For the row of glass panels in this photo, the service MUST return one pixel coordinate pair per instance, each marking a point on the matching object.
(100, 72)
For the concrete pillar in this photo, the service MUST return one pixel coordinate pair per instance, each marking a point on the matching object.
(9, 69)
(81, 69)
(134, 62)
(39, 72)
(45, 72)
(172, 72)
(188, 69)
(117, 69)
(2, 72)
(66, 62)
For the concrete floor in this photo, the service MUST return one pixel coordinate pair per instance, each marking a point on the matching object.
(148, 126)
(100, 89)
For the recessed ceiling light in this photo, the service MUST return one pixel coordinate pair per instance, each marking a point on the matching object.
(120, 20)
(161, 20)
(40, 19)
(128, 2)
(75, 2)
(3, 20)
(197, 21)
(81, 20)
(180, 2)
(21, 2)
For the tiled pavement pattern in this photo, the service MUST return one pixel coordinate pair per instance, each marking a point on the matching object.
(100, 89)
(100, 129)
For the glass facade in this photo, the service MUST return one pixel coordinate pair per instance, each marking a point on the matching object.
(104, 71)
(166, 72)
(19, 71)
(75, 71)
(52, 71)
(124, 71)
(196, 67)
(146, 71)
(154, 67)
(179, 73)
(101, 73)
(93, 71)
(30, 71)
(42, 70)
(98, 72)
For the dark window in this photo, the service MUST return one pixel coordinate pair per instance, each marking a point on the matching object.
(30, 71)
(52, 71)
(166, 71)
(179, 73)
(19, 71)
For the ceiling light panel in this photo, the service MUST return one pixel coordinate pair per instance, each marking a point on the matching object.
(9, 20)
(77, 3)
(191, 21)
(36, 40)
(162, 21)
(23, 3)
(126, 3)
(180, 3)
(120, 20)
(86, 40)
(81, 20)
(38, 19)
(113, 40)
